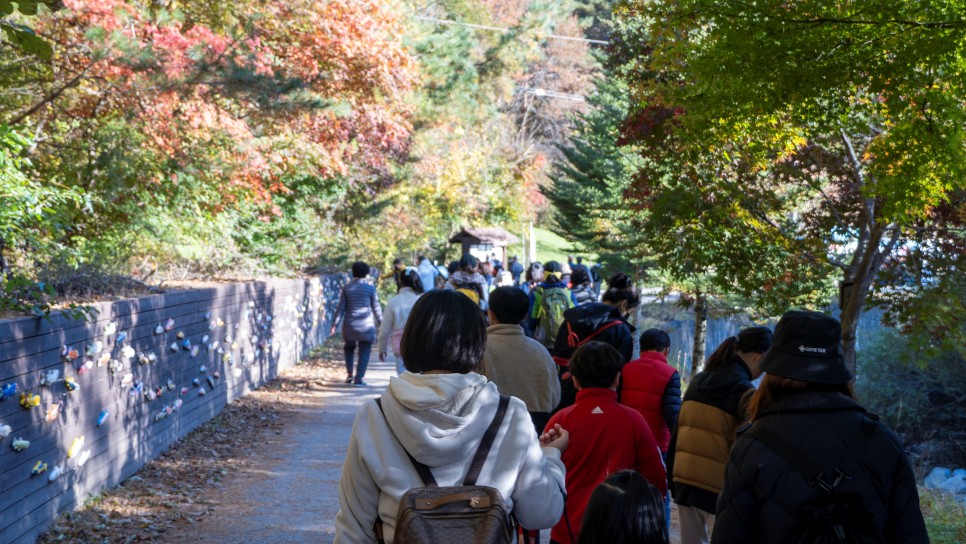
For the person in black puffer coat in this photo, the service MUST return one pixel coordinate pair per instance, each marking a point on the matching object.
(806, 400)
(601, 321)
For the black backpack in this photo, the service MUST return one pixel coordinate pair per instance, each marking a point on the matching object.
(464, 514)
(833, 517)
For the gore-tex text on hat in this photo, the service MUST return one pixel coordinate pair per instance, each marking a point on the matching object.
(812, 350)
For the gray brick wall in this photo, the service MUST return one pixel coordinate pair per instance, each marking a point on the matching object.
(289, 317)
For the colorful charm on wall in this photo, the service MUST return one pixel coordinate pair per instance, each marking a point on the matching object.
(127, 352)
(83, 457)
(55, 473)
(50, 377)
(71, 383)
(29, 401)
(8, 391)
(39, 468)
(102, 417)
(75, 446)
(20, 444)
(53, 411)
(5, 431)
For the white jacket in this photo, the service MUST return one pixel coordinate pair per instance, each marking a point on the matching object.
(440, 419)
(395, 316)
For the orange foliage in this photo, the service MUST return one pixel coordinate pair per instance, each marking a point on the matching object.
(176, 84)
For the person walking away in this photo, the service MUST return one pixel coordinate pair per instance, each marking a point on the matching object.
(605, 436)
(714, 403)
(519, 366)
(397, 312)
(653, 387)
(579, 266)
(548, 302)
(601, 321)
(804, 417)
(624, 509)
(360, 314)
(468, 280)
(427, 273)
(436, 414)
(516, 270)
(581, 286)
(533, 277)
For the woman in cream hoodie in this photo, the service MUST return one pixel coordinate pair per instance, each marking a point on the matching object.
(397, 313)
(438, 412)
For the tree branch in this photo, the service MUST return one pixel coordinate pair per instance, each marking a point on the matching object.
(54, 96)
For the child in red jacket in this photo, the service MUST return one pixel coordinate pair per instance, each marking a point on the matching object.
(605, 436)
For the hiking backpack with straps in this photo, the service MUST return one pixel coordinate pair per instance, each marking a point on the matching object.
(567, 390)
(463, 514)
(549, 306)
(833, 517)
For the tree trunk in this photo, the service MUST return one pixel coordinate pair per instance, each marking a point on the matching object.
(700, 332)
(857, 283)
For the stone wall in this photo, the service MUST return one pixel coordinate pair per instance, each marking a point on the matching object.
(147, 371)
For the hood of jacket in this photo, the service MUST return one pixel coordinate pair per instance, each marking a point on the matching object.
(588, 317)
(437, 417)
(462, 276)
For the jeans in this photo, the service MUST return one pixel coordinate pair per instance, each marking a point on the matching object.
(365, 348)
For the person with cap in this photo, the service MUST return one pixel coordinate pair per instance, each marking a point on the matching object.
(713, 407)
(806, 413)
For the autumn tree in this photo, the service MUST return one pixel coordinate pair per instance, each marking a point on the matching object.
(834, 130)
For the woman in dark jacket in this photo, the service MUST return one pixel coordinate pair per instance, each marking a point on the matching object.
(713, 407)
(805, 409)
(361, 315)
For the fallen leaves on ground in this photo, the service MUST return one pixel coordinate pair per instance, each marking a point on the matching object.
(170, 491)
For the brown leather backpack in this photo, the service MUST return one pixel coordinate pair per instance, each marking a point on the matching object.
(464, 514)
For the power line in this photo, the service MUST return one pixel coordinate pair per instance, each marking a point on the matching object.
(505, 30)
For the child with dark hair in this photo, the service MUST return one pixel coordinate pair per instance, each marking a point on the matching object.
(469, 281)
(624, 509)
(518, 365)
(653, 387)
(360, 314)
(397, 312)
(605, 436)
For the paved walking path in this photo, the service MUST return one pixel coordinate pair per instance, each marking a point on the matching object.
(293, 499)
(292, 496)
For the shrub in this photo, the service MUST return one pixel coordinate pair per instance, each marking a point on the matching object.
(922, 397)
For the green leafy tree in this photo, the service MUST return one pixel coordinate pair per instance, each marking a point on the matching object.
(835, 127)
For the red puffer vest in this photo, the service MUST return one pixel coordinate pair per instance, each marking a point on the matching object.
(643, 382)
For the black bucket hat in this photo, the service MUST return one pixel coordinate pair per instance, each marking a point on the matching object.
(807, 346)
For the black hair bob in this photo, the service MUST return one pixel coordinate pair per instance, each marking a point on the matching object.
(624, 509)
(445, 331)
(509, 304)
(360, 269)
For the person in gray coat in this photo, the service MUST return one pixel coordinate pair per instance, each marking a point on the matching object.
(361, 315)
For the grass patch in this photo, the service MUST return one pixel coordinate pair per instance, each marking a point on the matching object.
(551, 247)
(945, 517)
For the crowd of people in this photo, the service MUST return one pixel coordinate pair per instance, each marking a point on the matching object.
(523, 381)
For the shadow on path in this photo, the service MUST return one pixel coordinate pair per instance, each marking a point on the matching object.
(291, 495)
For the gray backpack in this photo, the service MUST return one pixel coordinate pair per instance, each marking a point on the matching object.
(464, 514)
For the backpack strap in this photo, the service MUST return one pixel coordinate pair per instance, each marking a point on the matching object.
(812, 473)
(572, 336)
(424, 473)
(484, 448)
